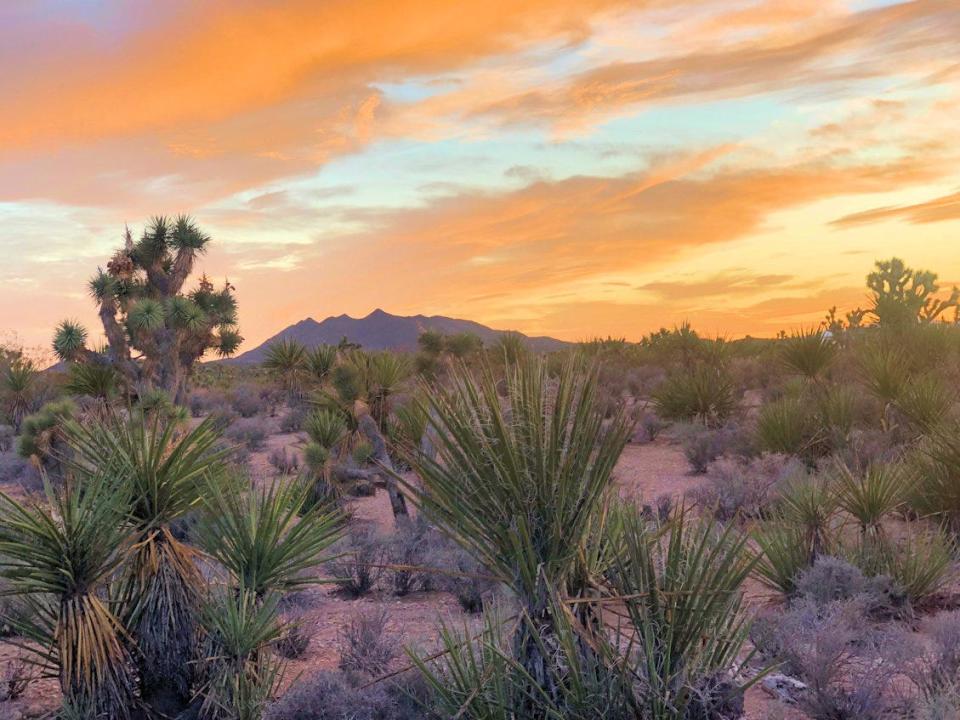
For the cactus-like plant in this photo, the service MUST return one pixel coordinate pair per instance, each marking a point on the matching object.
(145, 312)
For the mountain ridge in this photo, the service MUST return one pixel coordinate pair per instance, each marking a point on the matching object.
(381, 330)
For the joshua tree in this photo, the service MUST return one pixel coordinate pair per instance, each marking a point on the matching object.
(902, 295)
(16, 384)
(144, 310)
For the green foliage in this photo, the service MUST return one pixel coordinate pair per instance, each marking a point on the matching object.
(702, 394)
(871, 496)
(267, 539)
(784, 553)
(926, 401)
(96, 380)
(17, 380)
(289, 360)
(787, 426)
(69, 339)
(885, 372)
(936, 474)
(683, 598)
(321, 360)
(326, 427)
(59, 559)
(164, 471)
(809, 353)
(510, 348)
(156, 332)
(41, 432)
(242, 672)
(902, 296)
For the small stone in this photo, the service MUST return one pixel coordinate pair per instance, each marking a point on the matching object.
(783, 687)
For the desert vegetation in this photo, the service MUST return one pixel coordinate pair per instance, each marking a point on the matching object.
(681, 528)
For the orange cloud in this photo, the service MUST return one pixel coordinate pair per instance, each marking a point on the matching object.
(846, 48)
(936, 210)
(204, 63)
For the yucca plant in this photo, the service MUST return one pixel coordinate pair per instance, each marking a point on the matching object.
(241, 674)
(289, 360)
(509, 348)
(783, 554)
(97, 380)
(17, 379)
(925, 401)
(871, 496)
(321, 360)
(922, 563)
(60, 557)
(787, 426)
(809, 504)
(837, 410)
(809, 353)
(885, 372)
(386, 371)
(523, 487)
(267, 539)
(685, 627)
(701, 394)
(164, 470)
(935, 471)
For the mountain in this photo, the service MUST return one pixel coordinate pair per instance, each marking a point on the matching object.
(382, 331)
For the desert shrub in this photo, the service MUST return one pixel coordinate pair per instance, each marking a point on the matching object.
(409, 548)
(936, 474)
(848, 666)
(467, 580)
(922, 563)
(783, 554)
(315, 456)
(366, 646)
(832, 578)
(248, 401)
(648, 426)
(332, 696)
(7, 438)
(41, 431)
(293, 421)
(15, 679)
(701, 446)
(326, 427)
(809, 354)
(937, 673)
(360, 562)
(871, 495)
(285, 461)
(744, 488)
(838, 409)
(294, 641)
(701, 394)
(250, 432)
(786, 426)
(12, 467)
(926, 402)
(362, 452)
(204, 401)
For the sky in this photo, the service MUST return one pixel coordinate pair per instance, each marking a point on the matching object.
(575, 168)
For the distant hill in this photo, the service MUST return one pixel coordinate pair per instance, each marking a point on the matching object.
(382, 331)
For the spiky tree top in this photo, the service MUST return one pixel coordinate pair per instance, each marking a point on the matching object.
(155, 331)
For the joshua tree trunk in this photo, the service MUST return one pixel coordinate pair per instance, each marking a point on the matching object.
(368, 426)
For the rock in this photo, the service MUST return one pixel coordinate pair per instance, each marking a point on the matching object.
(783, 687)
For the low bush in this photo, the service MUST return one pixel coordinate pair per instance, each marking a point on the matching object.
(648, 426)
(465, 578)
(7, 438)
(248, 401)
(366, 646)
(360, 562)
(409, 548)
(293, 420)
(745, 488)
(702, 445)
(332, 696)
(294, 641)
(250, 432)
(702, 394)
(284, 461)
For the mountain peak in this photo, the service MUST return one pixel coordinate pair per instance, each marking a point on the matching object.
(381, 330)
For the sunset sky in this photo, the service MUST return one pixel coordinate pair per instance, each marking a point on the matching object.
(565, 167)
